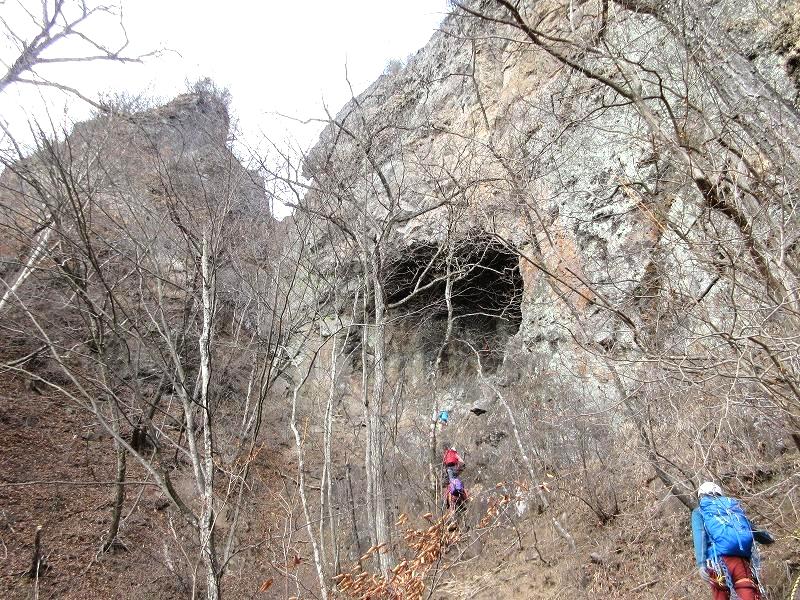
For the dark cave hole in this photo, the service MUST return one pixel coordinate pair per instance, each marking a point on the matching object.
(486, 297)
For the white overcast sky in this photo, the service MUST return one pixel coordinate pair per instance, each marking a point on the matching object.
(274, 56)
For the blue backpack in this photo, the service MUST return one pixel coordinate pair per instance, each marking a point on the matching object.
(729, 530)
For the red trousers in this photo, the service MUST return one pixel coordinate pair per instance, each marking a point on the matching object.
(743, 583)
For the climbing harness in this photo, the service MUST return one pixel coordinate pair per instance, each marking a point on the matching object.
(722, 576)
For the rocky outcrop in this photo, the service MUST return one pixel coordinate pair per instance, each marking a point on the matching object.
(130, 189)
(175, 156)
(599, 144)
(559, 166)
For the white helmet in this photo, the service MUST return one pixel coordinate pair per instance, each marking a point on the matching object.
(709, 488)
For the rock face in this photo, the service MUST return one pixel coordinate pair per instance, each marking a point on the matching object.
(597, 144)
(138, 189)
(140, 252)
(162, 155)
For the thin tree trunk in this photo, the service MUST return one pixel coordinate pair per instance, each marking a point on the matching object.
(433, 471)
(326, 486)
(207, 512)
(377, 462)
(37, 561)
(41, 244)
(433, 477)
(121, 455)
(303, 501)
(370, 499)
(119, 488)
(353, 518)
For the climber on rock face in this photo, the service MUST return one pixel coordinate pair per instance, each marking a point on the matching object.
(456, 498)
(451, 462)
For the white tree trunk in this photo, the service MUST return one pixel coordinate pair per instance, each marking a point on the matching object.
(326, 486)
(207, 511)
(370, 499)
(433, 471)
(41, 244)
(303, 500)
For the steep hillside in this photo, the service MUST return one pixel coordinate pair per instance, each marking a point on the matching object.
(105, 233)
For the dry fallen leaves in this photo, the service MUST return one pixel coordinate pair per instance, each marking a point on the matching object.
(407, 579)
(427, 544)
(266, 585)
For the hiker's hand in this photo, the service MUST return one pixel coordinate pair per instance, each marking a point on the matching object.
(703, 572)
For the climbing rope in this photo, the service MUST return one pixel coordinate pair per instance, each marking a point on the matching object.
(794, 594)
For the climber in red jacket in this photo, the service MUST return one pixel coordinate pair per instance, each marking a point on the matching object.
(452, 463)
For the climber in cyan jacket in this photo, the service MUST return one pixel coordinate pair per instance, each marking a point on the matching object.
(725, 554)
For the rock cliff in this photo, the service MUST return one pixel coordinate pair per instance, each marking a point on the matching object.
(556, 156)
(570, 224)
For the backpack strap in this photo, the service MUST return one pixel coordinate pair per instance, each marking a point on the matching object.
(710, 544)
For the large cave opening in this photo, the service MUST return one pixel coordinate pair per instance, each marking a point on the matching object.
(486, 300)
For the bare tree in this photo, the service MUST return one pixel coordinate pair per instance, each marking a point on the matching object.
(187, 284)
(54, 32)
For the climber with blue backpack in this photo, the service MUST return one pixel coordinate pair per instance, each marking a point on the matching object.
(724, 551)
